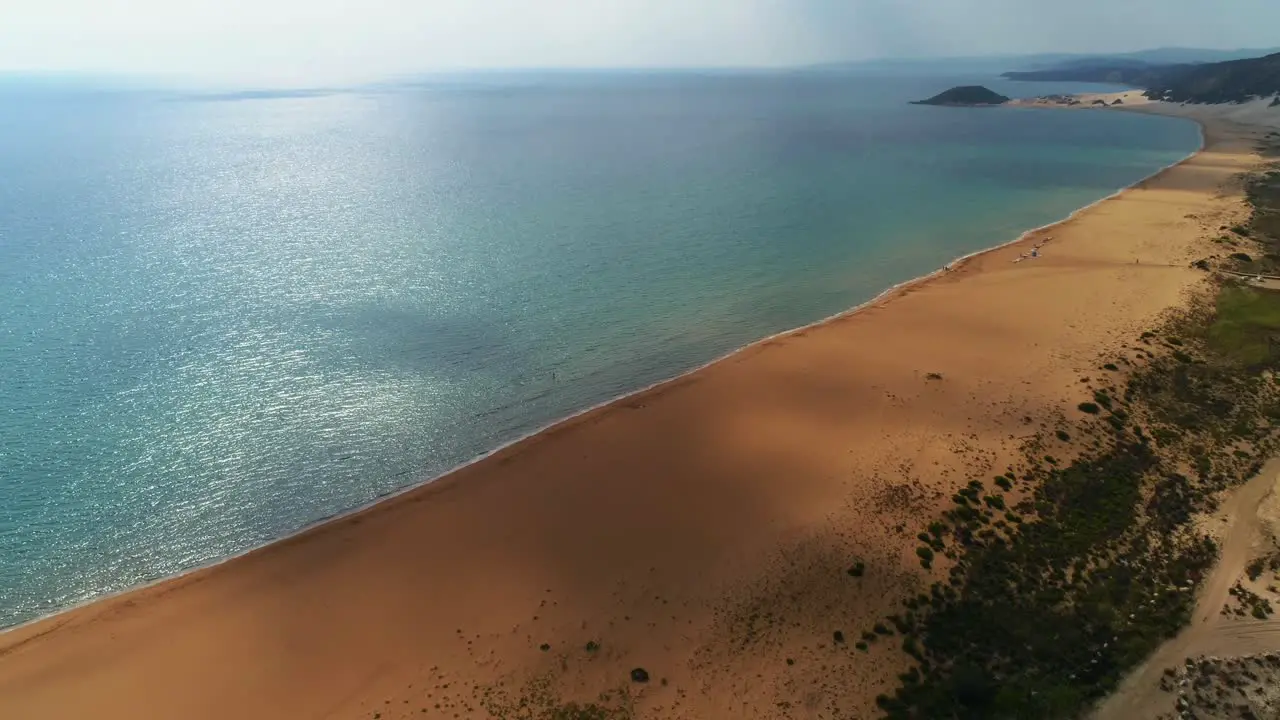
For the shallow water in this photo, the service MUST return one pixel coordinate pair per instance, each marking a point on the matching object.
(222, 319)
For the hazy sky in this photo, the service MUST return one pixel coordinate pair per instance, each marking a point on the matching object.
(311, 41)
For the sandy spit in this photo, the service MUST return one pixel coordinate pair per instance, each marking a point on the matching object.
(701, 530)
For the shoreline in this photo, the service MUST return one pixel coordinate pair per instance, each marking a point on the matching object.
(884, 296)
(702, 528)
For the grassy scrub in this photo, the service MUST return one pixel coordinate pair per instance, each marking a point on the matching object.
(1045, 607)
(1246, 328)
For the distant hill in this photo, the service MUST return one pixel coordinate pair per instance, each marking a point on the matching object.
(1140, 58)
(965, 96)
(1189, 56)
(1218, 82)
(1097, 70)
(1232, 81)
(996, 64)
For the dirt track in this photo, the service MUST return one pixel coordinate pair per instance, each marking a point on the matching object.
(1249, 521)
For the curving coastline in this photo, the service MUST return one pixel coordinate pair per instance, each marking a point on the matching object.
(135, 613)
(884, 296)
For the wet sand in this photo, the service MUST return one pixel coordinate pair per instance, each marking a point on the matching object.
(701, 530)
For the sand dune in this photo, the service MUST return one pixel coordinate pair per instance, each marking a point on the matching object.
(701, 530)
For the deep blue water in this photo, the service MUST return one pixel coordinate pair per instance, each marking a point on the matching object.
(224, 318)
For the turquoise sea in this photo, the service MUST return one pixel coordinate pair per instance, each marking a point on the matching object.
(225, 317)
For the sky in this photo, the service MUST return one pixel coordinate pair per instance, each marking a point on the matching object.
(334, 41)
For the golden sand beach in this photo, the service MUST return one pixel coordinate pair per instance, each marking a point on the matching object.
(702, 530)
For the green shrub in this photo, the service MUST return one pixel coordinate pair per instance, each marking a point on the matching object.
(1088, 407)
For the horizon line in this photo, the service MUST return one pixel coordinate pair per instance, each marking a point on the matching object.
(163, 81)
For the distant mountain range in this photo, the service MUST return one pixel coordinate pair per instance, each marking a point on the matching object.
(1155, 56)
(1235, 80)
(997, 64)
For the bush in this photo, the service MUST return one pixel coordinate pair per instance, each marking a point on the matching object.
(1088, 407)
(858, 569)
(1061, 435)
(1242, 257)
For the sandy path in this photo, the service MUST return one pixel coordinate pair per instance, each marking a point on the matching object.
(700, 530)
(1210, 633)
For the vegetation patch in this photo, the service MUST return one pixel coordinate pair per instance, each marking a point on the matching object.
(1043, 615)
(538, 700)
(1246, 326)
(1248, 604)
